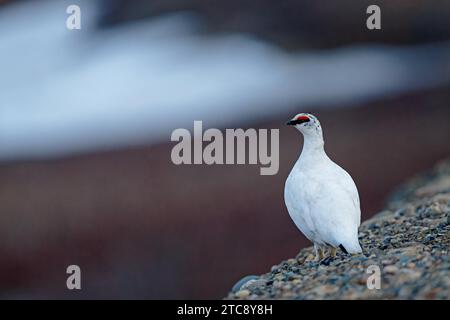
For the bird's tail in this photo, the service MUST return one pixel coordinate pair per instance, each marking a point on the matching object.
(351, 247)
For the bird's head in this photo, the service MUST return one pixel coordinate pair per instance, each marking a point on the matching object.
(307, 124)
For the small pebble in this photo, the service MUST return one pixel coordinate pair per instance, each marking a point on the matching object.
(242, 293)
(390, 269)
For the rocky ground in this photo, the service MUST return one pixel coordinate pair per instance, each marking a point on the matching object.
(408, 242)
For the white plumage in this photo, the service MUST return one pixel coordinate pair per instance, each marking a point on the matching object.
(321, 197)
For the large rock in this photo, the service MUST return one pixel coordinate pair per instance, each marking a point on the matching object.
(408, 242)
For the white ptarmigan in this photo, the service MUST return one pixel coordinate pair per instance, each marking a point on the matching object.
(321, 197)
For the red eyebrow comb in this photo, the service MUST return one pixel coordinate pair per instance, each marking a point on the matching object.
(302, 118)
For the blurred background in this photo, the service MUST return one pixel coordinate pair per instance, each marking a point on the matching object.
(86, 116)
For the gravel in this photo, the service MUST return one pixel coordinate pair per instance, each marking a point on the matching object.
(408, 243)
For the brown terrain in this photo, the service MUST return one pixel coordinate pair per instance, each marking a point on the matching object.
(141, 227)
(294, 24)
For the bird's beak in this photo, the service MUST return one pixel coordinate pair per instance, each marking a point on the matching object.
(290, 123)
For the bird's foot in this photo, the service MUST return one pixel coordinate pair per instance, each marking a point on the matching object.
(319, 255)
(333, 252)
